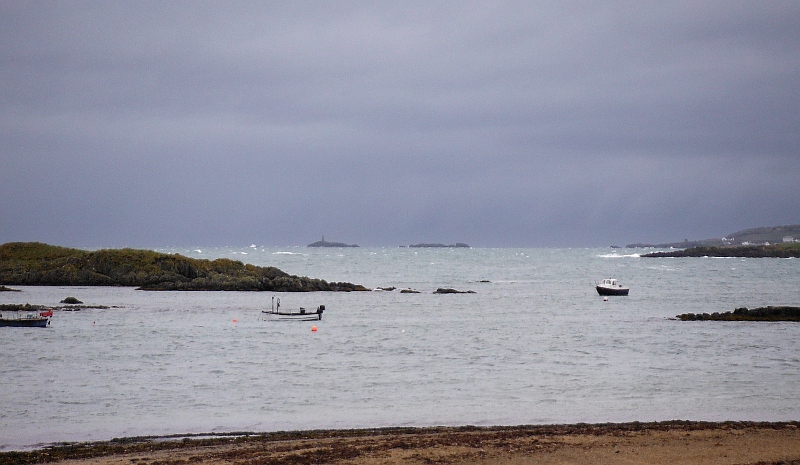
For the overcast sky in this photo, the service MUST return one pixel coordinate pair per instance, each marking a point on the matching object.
(498, 124)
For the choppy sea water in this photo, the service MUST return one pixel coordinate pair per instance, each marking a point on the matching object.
(534, 344)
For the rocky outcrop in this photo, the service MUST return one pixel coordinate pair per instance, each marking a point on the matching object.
(447, 290)
(324, 243)
(744, 251)
(36, 264)
(744, 314)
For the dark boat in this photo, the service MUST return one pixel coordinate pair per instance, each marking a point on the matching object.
(610, 286)
(275, 313)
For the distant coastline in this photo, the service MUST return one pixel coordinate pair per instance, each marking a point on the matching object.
(755, 236)
(789, 250)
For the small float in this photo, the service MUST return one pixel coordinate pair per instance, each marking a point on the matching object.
(610, 286)
(276, 314)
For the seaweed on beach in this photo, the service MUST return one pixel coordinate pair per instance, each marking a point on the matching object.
(454, 444)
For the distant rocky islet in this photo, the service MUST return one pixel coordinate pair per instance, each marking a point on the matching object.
(324, 243)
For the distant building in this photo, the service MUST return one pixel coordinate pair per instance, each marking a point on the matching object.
(788, 239)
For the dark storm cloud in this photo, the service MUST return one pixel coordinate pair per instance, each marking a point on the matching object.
(506, 123)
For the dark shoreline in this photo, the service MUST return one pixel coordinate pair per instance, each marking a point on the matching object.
(791, 250)
(143, 444)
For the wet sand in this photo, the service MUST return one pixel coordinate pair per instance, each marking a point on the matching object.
(676, 442)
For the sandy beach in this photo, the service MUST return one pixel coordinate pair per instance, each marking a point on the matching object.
(628, 443)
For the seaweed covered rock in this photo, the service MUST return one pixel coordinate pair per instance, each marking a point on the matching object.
(791, 250)
(744, 314)
(447, 290)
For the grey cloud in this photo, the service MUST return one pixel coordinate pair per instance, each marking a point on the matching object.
(505, 123)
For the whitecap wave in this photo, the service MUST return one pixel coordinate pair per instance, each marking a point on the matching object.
(614, 255)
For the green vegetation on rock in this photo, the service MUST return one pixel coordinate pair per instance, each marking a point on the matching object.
(34, 264)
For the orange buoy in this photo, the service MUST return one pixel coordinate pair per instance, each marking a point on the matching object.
(314, 329)
(235, 320)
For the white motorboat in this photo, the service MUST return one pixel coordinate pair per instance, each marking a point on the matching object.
(610, 286)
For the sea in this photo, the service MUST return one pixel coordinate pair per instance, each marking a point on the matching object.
(533, 343)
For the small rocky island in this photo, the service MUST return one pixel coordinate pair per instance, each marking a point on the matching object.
(744, 314)
(37, 264)
(324, 243)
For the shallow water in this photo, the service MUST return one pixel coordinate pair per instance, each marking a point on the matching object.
(534, 344)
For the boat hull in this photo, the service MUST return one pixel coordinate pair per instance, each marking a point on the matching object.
(602, 290)
(285, 316)
(24, 322)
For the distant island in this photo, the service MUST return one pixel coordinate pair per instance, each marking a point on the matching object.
(37, 264)
(755, 236)
(324, 243)
(457, 244)
(784, 250)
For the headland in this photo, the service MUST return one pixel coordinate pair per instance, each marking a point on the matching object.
(788, 250)
(37, 264)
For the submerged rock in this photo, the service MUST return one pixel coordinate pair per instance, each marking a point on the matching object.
(447, 290)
